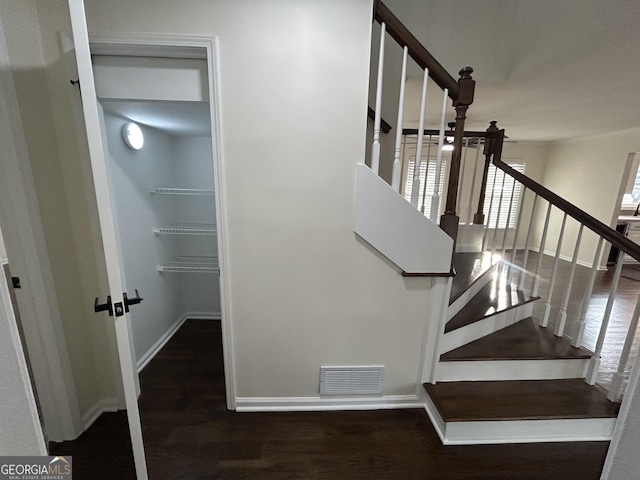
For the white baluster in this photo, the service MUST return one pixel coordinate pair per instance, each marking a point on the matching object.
(594, 364)
(543, 241)
(424, 190)
(517, 232)
(552, 281)
(415, 189)
(375, 149)
(525, 258)
(435, 199)
(495, 230)
(397, 165)
(582, 314)
(562, 314)
(488, 217)
(506, 228)
(462, 165)
(615, 391)
(473, 185)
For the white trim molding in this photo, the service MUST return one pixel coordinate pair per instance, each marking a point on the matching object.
(101, 406)
(194, 47)
(315, 404)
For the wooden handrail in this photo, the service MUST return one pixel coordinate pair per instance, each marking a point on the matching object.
(421, 55)
(593, 224)
(447, 133)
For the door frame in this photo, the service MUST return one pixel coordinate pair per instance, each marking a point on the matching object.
(189, 48)
(174, 46)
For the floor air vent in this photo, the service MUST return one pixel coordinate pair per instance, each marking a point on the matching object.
(351, 380)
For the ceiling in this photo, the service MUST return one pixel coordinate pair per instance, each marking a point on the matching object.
(545, 69)
(172, 117)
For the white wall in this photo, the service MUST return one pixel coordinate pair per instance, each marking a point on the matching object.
(193, 168)
(3, 250)
(588, 172)
(304, 291)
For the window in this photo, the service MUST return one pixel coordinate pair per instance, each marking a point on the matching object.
(494, 203)
(425, 196)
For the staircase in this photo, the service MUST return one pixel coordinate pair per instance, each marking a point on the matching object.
(494, 372)
(501, 378)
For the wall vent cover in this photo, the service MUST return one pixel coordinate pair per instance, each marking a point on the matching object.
(359, 380)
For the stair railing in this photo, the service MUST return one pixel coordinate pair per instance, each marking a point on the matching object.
(518, 266)
(461, 94)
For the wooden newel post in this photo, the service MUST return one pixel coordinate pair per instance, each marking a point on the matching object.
(449, 221)
(478, 217)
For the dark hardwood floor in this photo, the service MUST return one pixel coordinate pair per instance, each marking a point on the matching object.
(189, 434)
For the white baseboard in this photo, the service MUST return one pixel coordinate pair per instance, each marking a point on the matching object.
(203, 315)
(162, 341)
(312, 404)
(567, 258)
(98, 408)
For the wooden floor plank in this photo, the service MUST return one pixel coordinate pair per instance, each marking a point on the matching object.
(520, 400)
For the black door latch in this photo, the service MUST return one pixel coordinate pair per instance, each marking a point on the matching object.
(101, 307)
(131, 301)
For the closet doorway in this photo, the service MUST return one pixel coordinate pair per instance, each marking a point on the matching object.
(116, 188)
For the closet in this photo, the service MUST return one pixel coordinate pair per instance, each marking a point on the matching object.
(163, 192)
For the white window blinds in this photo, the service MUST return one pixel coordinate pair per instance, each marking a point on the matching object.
(499, 194)
(428, 173)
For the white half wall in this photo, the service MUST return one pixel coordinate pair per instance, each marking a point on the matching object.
(391, 225)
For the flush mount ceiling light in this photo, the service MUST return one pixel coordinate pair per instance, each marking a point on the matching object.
(448, 145)
(132, 136)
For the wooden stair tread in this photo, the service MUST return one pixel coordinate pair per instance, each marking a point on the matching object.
(495, 297)
(524, 340)
(468, 268)
(520, 400)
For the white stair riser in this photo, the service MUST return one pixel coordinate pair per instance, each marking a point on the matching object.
(529, 431)
(519, 431)
(486, 326)
(511, 370)
(470, 292)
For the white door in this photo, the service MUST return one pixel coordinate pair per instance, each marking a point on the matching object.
(97, 149)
